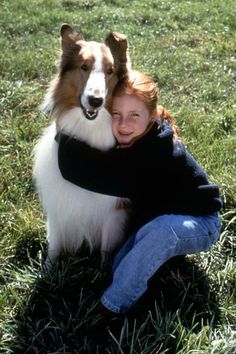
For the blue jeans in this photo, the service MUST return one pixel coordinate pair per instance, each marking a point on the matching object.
(146, 250)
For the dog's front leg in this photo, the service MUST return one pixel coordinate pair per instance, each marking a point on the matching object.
(54, 246)
(106, 265)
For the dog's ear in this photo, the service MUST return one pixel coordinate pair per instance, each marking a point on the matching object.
(70, 44)
(119, 47)
(69, 36)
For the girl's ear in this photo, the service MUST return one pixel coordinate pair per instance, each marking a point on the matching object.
(154, 115)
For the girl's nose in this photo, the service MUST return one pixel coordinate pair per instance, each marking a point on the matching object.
(123, 121)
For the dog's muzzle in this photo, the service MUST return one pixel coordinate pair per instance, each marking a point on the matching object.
(95, 103)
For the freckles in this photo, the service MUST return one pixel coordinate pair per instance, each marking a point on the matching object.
(113, 125)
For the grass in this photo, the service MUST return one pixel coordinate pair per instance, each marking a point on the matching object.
(189, 48)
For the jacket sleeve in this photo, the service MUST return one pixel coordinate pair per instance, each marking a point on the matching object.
(202, 196)
(90, 168)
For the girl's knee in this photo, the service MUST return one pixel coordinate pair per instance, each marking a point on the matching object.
(158, 232)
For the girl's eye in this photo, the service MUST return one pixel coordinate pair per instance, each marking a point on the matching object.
(109, 71)
(84, 67)
(135, 115)
(115, 115)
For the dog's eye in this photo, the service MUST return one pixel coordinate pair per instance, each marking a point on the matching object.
(109, 71)
(84, 67)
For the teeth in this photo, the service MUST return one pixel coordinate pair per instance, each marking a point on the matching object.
(91, 114)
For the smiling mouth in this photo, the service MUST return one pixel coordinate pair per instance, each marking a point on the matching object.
(125, 134)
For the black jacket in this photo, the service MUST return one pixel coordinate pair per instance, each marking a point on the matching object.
(155, 172)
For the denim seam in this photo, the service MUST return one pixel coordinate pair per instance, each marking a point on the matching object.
(147, 276)
(183, 239)
(110, 306)
(177, 238)
(149, 273)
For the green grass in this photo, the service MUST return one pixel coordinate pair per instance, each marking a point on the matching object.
(189, 48)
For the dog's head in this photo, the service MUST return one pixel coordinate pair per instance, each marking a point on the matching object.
(88, 71)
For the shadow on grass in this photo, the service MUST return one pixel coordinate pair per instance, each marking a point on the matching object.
(60, 313)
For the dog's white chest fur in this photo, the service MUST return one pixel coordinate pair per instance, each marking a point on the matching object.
(73, 213)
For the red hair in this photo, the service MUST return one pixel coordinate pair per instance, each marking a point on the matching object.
(142, 86)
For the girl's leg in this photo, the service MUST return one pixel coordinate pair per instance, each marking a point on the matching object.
(123, 251)
(164, 237)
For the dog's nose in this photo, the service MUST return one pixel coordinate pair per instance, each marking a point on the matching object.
(95, 101)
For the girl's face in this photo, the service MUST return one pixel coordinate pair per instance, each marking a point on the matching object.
(130, 118)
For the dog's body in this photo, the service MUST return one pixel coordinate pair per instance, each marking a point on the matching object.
(88, 73)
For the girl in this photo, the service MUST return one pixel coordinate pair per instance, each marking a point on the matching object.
(175, 207)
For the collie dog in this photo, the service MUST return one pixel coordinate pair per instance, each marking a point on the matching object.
(88, 72)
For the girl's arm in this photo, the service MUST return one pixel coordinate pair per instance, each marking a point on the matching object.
(91, 168)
